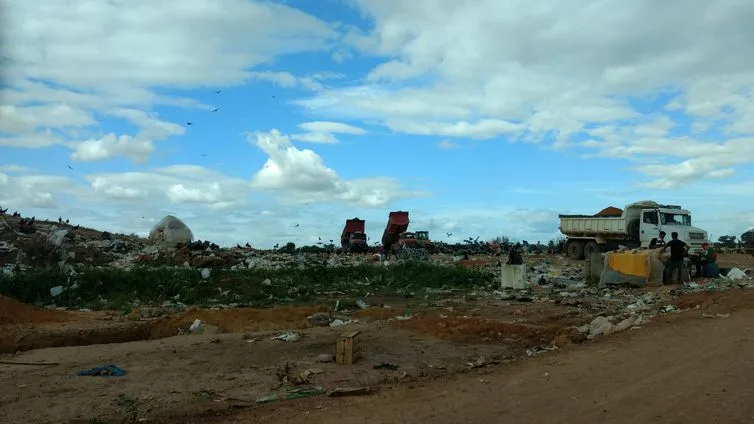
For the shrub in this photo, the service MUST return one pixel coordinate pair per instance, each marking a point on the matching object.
(109, 288)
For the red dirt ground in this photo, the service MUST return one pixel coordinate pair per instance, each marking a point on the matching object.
(15, 312)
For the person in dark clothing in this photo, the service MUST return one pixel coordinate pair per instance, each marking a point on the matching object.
(678, 250)
(658, 242)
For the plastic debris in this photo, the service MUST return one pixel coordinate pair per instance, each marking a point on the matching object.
(287, 337)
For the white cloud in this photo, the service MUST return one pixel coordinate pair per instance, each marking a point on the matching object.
(322, 131)
(447, 145)
(303, 175)
(18, 169)
(108, 58)
(112, 145)
(547, 70)
(331, 127)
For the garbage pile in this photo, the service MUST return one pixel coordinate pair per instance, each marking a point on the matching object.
(32, 243)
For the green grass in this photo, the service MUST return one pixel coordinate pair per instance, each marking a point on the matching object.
(120, 289)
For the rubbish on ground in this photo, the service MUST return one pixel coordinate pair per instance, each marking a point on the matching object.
(302, 378)
(715, 315)
(205, 273)
(736, 274)
(350, 391)
(56, 291)
(320, 319)
(325, 358)
(305, 392)
(109, 370)
(267, 398)
(287, 337)
(196, 326)
(540, 350)
(361, 304)
(386, 366)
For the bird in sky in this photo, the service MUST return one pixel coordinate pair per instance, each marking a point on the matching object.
(70, 167)
(189, 123)
(215, 109)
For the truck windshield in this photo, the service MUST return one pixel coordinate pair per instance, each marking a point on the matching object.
(359, 236)
(675, 219)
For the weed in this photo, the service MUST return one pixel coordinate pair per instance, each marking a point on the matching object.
(100, 288)
(130, 406)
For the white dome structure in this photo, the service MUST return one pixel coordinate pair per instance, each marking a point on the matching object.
(170, 232)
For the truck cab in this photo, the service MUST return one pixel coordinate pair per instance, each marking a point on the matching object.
(670, 219)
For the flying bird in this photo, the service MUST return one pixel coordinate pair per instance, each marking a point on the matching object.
(215, 109)
(449, 234)
(319, 238)
(247, 244)
(297, 225)
(273, 97)
(69, 167)
(238, 245)
(218, 91)
(189, 123)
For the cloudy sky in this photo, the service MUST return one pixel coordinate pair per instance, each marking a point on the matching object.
(481, 118)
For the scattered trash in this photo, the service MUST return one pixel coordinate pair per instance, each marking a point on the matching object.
(361, 304)
(205, 273)
(736, 274)
(108, 370)
(287, 337)
(56, 291)
(267, 398)
(715, 315)
(196, 326)
(540, 350)
(321, 319)
(386, 366)
(325, 358)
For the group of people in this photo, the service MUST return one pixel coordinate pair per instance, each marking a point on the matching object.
(673, 273)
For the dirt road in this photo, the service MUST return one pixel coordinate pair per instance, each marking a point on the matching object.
(686, 369)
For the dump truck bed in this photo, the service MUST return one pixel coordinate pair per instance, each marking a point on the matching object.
(582, 226)
(396, 224)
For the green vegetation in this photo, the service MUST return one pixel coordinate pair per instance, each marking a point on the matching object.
(115, 289)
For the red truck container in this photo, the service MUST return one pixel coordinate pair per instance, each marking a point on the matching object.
(397, 223)
(353, 238)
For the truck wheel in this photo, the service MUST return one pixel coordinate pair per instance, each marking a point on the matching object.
(632, 228)
(591, 247)
(575, 250)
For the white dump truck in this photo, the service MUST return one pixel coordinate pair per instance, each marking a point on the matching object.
(635, 226)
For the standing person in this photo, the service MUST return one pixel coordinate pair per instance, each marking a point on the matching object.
(708, 256)
(678, 250)
(658, 242)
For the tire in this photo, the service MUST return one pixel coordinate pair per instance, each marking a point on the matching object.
(591, 247)
(633, 228)
(575, 250)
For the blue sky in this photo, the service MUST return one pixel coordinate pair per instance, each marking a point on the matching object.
(482, 120)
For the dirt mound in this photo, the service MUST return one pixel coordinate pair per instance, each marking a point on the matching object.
(467, 329)
(15, 312)
(238, 320)
(610, 211)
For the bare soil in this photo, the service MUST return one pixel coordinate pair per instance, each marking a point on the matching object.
(690, 367)
(693, 367)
